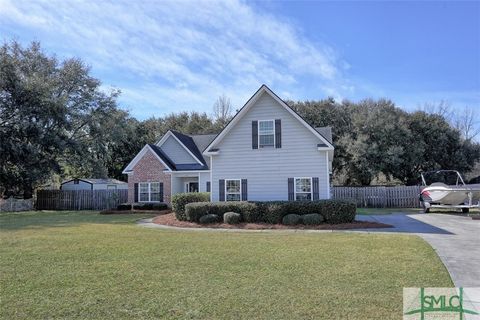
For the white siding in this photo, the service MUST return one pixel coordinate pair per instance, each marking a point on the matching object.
(177, 185)
(177, 152)
(104, 186)
(267, 169)
(203, 178)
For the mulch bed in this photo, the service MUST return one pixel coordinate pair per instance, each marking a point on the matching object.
(170, 220)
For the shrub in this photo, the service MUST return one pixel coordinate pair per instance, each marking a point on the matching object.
(312, 219)
(179, 201)
(124, 206)
(291, 219)
(335, 211)
(210, 218)
(194, 211)
(150, 206)
(332, 211)
(257, 212)
(274, 212)
(232, 217)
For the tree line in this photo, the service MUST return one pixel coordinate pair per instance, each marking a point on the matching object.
(56, 122)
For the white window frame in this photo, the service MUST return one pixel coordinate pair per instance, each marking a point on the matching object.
(111, 187)
(274, 134)
(239, 193)
(149, 191)
(295, 187)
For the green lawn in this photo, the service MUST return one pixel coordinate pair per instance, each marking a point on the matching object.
(87, 266)
(369, 211)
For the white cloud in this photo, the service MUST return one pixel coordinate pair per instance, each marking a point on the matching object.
(182, 54)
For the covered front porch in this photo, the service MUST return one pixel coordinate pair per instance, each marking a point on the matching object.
(190, 181)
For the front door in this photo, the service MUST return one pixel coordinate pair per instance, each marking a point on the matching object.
(192, 186)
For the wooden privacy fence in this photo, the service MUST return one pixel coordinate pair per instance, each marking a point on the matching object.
(80, 199)
(380, 197)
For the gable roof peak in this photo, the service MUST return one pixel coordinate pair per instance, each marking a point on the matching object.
(250, 102)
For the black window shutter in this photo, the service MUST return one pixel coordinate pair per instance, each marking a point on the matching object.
(254, 134)
(315, 189)
(221, 190)
(291, 192)
(208, 186)
(244, 190)
(161, 191)
(278, 133)
(135, 190)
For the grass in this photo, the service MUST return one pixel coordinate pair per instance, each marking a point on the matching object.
(82, 265)
(382, 211)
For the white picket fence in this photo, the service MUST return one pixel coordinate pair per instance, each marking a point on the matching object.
(380, 197)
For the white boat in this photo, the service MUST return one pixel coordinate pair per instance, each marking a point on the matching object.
(446, 189)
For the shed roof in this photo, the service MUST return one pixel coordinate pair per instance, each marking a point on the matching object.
(98, 181)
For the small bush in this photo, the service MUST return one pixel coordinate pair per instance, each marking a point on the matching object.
(335, 211)
(210, 218)
(274, 212)
(194, 211)
(312, 219)
(291, 219)
(179, 201)
(124, 206)
(232, 218)
(256, 213)
(150, 206)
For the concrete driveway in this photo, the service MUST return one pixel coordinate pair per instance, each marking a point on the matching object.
(455, 238)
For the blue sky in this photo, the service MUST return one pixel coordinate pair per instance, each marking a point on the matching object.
(173, 56)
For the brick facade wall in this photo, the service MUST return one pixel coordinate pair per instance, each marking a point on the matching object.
(149, 169)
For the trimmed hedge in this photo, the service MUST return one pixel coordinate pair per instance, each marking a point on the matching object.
(232, 218)
(210, 218)
(124, 206)
(150, 206)
(194, 211)
(312, 219)
(272, 212)
(336, 211)
(291, 219)
(179, 201)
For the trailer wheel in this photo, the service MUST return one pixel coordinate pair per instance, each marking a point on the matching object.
(465, 210)
(426, 207)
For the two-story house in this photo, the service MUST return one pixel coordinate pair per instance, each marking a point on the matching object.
(266, 152)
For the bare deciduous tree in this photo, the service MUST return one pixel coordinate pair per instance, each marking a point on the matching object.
(222, 110)
(467, 122)
(442, 108)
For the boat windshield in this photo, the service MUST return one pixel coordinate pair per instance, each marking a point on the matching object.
(451, 178)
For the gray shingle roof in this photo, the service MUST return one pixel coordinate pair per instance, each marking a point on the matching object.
(99, 181)
(197, 144)
(326, 132)
(170, 164)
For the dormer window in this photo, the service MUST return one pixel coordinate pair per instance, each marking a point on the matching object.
(266, 133)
